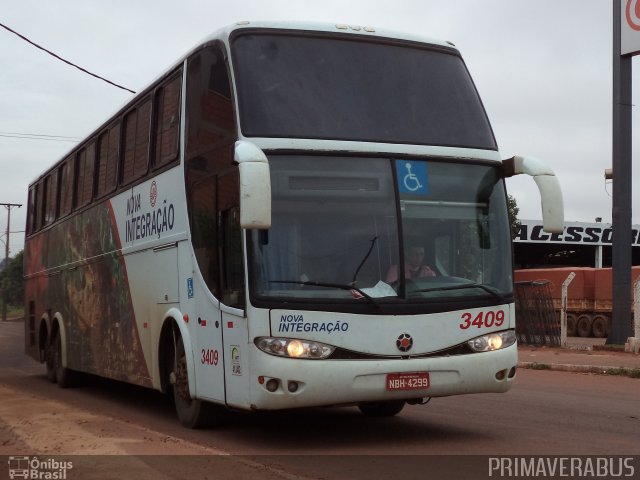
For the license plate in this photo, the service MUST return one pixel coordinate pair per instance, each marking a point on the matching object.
(408, 381)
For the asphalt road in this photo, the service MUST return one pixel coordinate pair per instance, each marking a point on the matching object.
(546, 413)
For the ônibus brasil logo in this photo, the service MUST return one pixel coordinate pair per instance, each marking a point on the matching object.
(35, 468)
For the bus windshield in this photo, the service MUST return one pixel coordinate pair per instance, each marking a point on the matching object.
(336, 234)
(328, 87)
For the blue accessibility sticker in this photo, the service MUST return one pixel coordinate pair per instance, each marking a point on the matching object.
(412, 177)
(190, 287)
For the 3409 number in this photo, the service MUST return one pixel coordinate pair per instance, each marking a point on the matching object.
(482, 319)
(209, 357)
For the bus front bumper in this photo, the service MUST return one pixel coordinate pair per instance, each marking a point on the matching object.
(309, 383)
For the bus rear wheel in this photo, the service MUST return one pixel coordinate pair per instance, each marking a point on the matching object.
(64, 377)
(50, 361)
(382, 409)
(192, 413)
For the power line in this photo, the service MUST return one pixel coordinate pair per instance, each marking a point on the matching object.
(63, 60)
(37, 138)
(40, 135)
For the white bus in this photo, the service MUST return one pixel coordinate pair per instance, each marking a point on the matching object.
(293, 215)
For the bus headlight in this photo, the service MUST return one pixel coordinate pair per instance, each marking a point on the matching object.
(293, 348)
(493, 341)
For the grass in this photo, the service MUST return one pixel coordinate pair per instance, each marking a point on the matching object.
(625, 372)
(539, 366)
(13, 311)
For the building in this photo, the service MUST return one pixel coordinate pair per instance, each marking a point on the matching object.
(580, 245)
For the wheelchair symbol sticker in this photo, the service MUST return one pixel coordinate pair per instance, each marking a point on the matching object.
(412, 177)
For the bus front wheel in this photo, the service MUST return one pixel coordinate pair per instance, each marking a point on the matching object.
(192, 413)
(382, 409)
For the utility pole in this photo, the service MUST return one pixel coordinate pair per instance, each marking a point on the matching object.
(622, 146)
(8, 206)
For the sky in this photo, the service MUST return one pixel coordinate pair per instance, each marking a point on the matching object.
(542, 68)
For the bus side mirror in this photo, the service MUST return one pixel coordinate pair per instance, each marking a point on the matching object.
(548, 185)
(255, 186)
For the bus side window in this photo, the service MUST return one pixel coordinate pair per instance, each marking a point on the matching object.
(37, 214)
(108, 143)
(66, 186)
(31, 209)
(51, 187)
(135, 160)
(204, 231)
(168, 121)
(211, 177)
(231, 264)
(84, 176)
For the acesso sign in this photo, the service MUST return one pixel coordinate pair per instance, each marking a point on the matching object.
(530, 231)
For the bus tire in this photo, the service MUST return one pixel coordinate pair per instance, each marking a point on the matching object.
(599, 326)
(65, 378)
(191, 413)
(585, 323)
(382, 409)
(50, 360)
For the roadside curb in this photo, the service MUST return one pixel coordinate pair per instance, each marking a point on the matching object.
(600, 370)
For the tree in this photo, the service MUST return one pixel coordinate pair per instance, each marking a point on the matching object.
(11, 281)
(513, 211)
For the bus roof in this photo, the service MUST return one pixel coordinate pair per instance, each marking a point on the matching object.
(223, 34)
(344, 28)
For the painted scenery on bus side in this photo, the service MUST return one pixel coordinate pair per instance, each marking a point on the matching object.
(87, 292)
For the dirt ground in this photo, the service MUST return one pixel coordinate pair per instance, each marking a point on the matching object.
(102, 447)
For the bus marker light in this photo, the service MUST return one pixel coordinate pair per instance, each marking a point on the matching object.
(185, 317)
(261, 380)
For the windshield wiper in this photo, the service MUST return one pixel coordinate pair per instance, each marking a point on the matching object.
(460, 287)
(355, 275)
(330, 285)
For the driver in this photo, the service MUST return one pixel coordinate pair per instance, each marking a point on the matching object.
(413, 266)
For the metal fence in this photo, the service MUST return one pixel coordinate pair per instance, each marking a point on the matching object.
(537, 322)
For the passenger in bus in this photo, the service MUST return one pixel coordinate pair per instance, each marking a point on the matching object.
(413, 266)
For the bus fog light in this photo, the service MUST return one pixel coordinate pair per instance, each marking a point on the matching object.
(272, 385)
(292, 386)
(493, 341)
(293, 348)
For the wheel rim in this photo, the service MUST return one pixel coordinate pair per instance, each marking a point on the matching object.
(181, 387)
